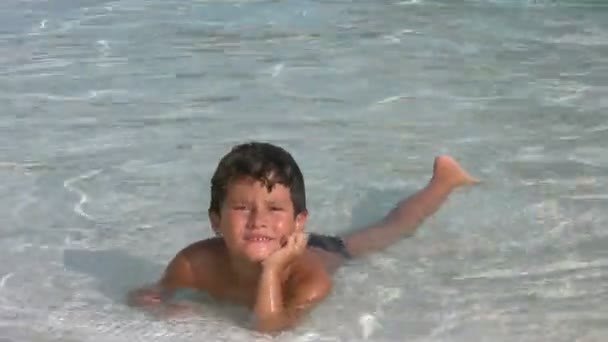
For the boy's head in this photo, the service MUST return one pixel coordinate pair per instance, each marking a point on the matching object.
(257, 199)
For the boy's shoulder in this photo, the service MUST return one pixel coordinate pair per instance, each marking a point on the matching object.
(210, 245)
(196, 265)
(309, 280)
(205, 251)
(309, 268)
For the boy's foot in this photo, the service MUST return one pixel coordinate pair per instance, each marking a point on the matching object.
(447, 170)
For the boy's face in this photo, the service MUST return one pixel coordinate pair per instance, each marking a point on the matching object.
(254, 221)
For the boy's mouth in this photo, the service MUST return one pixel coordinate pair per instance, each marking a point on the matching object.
(259, 246)
(258, 238)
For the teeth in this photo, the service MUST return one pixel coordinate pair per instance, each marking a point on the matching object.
(259, 239)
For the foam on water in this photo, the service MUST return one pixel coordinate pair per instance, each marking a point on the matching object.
(116, 112)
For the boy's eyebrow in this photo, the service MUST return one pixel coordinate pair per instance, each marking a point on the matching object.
(235, 200)
(276, 202)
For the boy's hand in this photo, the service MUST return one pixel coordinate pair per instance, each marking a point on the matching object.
(157, 302)
(147, 296)
(294, 245)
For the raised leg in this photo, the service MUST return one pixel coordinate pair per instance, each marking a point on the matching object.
(412, 211)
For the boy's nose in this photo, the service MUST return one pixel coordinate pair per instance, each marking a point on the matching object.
(257, 218)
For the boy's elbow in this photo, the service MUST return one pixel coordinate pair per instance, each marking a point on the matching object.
(274, 325)
(279, 322)
(144, 297)
(266, 328)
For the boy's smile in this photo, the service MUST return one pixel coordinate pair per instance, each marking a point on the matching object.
(253, 221)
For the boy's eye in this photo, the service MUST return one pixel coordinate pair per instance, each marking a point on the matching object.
(239, 207)
(275, 208)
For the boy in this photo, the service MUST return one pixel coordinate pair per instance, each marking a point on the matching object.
(261, 256)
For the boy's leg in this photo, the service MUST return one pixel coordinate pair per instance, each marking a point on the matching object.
(410, 212)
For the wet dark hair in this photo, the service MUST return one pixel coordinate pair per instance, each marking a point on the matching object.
(261, 161)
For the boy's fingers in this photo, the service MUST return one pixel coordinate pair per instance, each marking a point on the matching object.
(297, 237)
(301, 240)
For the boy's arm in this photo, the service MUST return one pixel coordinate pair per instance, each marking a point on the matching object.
(278, 308)
(178, 274)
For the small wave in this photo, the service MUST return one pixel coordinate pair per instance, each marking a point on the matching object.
(588, 197)
(23, 167)
(408, 2)
(395, 98)
(590, 39)
(5, 278)
(562, 266)
(597, 129)
(68, 184)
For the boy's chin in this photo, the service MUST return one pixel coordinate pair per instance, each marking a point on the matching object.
(257, 255)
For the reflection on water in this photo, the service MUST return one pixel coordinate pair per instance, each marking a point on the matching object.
(116, 113)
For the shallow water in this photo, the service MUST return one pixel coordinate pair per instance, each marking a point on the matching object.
(116, 112)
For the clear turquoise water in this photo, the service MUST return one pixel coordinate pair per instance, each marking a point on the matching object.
(115, 113)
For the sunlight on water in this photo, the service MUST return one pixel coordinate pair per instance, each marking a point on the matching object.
(116, 112)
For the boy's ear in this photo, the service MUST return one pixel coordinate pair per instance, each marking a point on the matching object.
(301, 220)
(214, 218)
